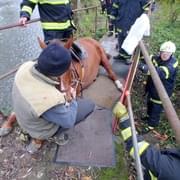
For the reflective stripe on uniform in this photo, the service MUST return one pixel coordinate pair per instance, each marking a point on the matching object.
(152, 176)
(155, 101)
(146, 9)
(54, 1)
(112, 17)
(119, 30)
(34, 1)
(175, 64)
(125, 117)
(154, 62)
(27, 9)
(126, 133)
(142, 146)
(166, 70)
(56, 26)
(146, 5)
(115, 5)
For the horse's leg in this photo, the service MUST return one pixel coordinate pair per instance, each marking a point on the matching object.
(105, 63)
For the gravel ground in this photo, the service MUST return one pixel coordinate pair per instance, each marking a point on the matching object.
(16, 163)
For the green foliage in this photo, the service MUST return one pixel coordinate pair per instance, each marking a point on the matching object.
(164, 128)
(118, 172)
(172, 8)
(90, 23)
(163, 32)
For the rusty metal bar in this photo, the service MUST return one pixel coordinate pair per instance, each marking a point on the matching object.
(133, 68)
(128, 84)
(134, 138)
(95, 22)
(168, 107)
(12, 71)
(38, 19)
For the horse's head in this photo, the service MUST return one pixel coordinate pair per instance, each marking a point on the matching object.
(70, 78)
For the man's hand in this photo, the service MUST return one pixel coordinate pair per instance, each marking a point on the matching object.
(23, 21)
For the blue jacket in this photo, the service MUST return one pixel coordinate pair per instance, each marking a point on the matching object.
(125, 12)
(157, 165)
(167, 71)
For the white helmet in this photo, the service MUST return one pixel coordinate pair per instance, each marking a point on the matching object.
(168, 47)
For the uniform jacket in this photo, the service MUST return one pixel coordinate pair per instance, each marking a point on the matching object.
(125, 12)
(157, 164)
(55, 15)
(167, 71)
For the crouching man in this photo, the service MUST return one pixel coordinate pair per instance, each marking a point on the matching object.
(40, 108)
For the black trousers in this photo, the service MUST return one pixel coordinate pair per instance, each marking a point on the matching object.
(153, 111)
(60, 34)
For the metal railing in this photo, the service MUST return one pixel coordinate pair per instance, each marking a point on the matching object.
(13, 25)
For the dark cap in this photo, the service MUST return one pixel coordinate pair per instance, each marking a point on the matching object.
(54, 60)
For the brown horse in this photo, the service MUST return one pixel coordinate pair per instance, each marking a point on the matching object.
(82, 73)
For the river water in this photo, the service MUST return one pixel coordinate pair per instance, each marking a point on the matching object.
(17, 45)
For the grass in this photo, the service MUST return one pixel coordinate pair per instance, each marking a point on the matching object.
(119, 172)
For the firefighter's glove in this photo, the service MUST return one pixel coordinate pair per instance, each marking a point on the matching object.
(119, 110)
(143, 67)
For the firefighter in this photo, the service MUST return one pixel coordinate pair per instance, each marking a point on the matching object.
(157, 164)
(166, 66)
(107, 5)
(124, 13)
(56, 17)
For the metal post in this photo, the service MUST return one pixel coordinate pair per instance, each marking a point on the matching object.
(168, 107)
(95, 23)
(134, 138)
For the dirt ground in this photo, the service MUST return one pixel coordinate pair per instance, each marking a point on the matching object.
(16, 163)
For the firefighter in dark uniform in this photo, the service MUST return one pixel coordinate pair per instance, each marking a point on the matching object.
(56, 17)
(124, 13)
(166, 66)
(157, 164)
(107, 5)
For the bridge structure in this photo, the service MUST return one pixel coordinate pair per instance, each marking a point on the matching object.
(92, 142)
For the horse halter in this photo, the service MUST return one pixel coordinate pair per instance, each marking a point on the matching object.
(76, 80)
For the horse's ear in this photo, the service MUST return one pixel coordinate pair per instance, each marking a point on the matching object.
(69, 43)
(42, 44)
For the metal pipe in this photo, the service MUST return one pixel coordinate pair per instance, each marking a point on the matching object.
(38, 19)
(168, 107)
(95, 22)
(135, 60)
(128, 83)
(134, 138)
(12, 71)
